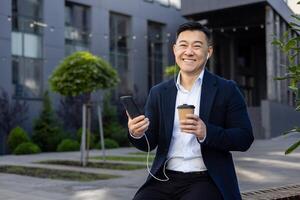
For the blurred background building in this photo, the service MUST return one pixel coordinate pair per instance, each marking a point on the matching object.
(136, 37)
(243, 32)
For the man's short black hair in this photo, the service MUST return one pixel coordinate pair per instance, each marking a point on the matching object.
(195, 26)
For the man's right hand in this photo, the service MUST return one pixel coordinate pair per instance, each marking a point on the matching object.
(138, 126)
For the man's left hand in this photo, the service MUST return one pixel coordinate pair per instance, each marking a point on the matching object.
(194, 125)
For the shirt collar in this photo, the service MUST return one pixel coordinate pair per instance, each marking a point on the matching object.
(198, 80)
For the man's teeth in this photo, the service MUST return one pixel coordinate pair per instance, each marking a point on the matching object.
(188, 60)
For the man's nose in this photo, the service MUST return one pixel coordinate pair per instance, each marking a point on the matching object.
(189, 51)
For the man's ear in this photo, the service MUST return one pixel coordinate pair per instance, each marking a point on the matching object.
(209, 52)
(174, 48)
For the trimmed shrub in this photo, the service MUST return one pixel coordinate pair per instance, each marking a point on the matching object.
(68, 145)
(27, 148)
(115, 131)
(47, 132)
(16, 137)
(109, 144)
(111, 126)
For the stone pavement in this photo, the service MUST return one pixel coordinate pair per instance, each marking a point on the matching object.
(263, 166)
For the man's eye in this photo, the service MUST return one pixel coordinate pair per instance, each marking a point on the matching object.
(197, 46)
(182, 45)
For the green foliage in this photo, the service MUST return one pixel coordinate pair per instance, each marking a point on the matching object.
(109, 144)
(47, 133)
(291, 48)
(171, 71)
(90, 136)
(27, 148)
(68, 145)
(111, 126)
(16, 136)
(115, 131)
(82, 72)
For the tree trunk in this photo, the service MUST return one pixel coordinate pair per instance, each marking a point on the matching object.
(86, 128)
(83, 137)
(101, 132)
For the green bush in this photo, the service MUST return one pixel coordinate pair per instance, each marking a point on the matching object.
(109, 144)
(111, 126)
(16, 136)
(115, 131)
(68, 145)
(27, 148)
(93, 140)
(171, 71)
(47, 132)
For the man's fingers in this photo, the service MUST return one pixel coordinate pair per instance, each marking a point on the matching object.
(192, 116)
(143, 128)
(140, 124)
(135, 120)
(138, 119)
(189, 127)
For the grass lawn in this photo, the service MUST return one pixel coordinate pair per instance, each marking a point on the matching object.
(54, 173)
(104, 165)
(141, 153)
(126, 158)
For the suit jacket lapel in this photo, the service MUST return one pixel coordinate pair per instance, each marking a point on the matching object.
(209, 89)
(168, 107)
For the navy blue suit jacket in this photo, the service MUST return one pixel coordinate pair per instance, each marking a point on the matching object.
(223, 110)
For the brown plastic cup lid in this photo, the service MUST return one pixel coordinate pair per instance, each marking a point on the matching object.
(185, 106)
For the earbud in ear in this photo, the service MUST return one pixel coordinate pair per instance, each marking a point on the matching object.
(207, 56)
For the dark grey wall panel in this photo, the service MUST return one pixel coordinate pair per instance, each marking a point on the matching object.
(278, 118)
(190, 7)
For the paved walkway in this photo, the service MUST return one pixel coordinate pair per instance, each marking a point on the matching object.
(264, 165)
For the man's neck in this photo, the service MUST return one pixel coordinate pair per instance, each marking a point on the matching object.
(187, 80)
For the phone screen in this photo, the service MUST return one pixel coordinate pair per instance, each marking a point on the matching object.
(130, 106)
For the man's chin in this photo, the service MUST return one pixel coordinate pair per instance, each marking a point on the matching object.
(191, 70)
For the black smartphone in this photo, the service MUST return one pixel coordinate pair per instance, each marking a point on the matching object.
(130, 106)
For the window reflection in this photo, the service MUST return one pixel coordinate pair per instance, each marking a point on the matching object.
(77, 28)
(155, 52)
(27, 48)
(119, 48)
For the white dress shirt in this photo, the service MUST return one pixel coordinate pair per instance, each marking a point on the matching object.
(184, 153)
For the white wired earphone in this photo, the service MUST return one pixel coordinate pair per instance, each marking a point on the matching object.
(148, 145)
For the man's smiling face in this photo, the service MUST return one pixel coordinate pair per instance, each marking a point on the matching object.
(191, 51)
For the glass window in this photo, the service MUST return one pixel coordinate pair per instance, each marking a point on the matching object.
(17, 44)
(175, 3)
(155, 53)
(27, 77)
(119, 47)
(32, 46)
(27, 49)
(164, 2)
(77, 27)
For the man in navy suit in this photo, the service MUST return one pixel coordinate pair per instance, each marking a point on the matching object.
(194, 153)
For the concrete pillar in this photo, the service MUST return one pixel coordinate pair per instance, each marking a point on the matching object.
(283, 61)
(269, 24)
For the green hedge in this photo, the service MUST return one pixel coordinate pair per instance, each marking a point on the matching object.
(68, 145)
(27, 148)
(92, 138)
(16, 137)
(109, 144)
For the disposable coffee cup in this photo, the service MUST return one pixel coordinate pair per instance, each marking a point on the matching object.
(185, 109)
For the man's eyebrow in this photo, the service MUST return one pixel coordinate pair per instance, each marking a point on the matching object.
(184, 41)
(198, 41)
